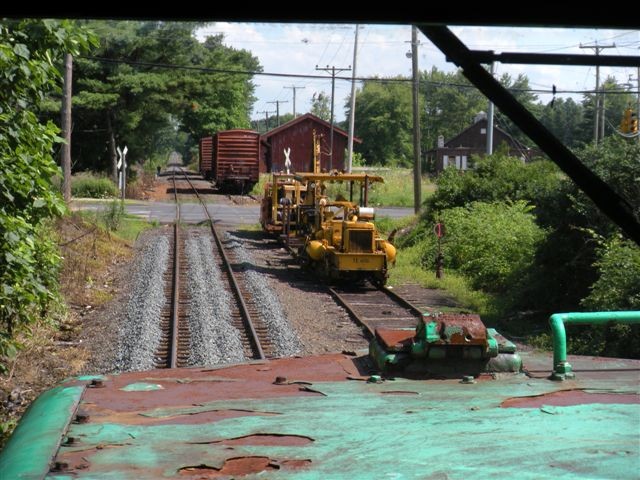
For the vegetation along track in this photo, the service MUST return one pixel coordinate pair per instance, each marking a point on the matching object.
(376, 307)
(245, 314)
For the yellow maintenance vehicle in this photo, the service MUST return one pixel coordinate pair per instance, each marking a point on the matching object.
(336, 238)
(279, 207)
(340, 239)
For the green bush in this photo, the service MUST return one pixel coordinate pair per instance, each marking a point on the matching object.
(618, 287)
(491, 243)
(497, 178)
(89, 186)
(30, 53)
(113, 215)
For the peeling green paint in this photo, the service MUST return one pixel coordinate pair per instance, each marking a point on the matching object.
(38, 435)
(88, 378)
(364, 431)
(142, 387)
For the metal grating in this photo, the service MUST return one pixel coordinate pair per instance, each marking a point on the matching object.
(360, 241)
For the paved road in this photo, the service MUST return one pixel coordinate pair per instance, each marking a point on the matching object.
(164, 212)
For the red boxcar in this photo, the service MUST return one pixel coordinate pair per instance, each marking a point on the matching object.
(206, 151)
(231, 158)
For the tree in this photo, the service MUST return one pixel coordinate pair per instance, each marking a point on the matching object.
(31, 53)
(520, 89)
(614, 105)
(383, 121)
(451, 103)
(565, 119)
(133, 89)
(321, 105)
(261, 124)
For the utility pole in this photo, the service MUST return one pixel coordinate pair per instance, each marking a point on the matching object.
(596, 48)
(490, 118)
(266, 119)
(278, 102)
(294, 88)
(66, 128)
(417, 174)
(334, 70)
(352, 116)
(602, 115)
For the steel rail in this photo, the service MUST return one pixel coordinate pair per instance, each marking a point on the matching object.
(175, 287)
(362, 321)
(402, 301)
(244, 310)
(345, 304)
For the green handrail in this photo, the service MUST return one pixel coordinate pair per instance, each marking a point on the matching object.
(562, 368)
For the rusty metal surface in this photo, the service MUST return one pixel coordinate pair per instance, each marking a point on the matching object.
(570, 397)
(321, 419)
(395, 340)
(461, 328)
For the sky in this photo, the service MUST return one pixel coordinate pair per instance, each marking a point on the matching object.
(382, 51)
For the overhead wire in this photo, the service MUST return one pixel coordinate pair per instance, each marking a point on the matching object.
(398, 79)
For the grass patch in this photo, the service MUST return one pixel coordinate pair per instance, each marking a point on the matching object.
(408, 269)
(127, 227)
(258, 188)
(386, 225)
(254, 227)
(88, 185)
(397, 189)
(132, 226)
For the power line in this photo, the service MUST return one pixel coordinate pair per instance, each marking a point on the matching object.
(599, 103)
(333, 71)
(398, 79)
(266, 119)
(278, 102)
(294, 88)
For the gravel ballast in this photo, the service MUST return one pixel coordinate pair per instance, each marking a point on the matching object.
(214, 340)
(140, 333)
(285, 340)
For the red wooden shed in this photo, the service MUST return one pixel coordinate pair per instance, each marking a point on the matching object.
(298, 136)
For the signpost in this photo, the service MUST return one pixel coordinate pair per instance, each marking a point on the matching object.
(122, 170)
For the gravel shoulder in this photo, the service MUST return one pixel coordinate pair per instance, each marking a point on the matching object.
(103, 328)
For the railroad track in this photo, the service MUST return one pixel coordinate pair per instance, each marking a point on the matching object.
(245, 313)
(374, 307)
(174, 347)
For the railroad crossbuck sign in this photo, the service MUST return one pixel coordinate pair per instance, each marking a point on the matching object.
(122, 167)
(287, 161)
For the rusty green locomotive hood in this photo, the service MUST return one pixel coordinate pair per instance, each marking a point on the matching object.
(327, 417)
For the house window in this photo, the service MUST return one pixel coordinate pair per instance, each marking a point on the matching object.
(445, 161)
(464, 162)
(483, 131)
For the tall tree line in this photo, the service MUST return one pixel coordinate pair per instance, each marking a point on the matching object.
(448, 104)
(131, 90)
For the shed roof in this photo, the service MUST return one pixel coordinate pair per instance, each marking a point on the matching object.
(450, 143)
(307, 116)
